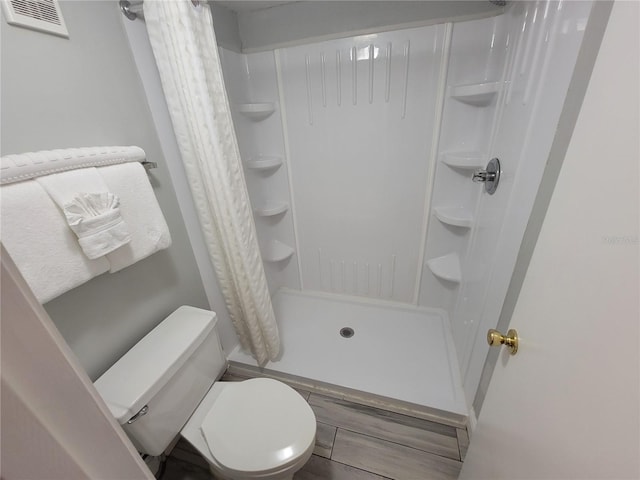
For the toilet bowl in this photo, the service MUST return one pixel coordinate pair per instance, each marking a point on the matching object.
(268, 419)
(167, 385)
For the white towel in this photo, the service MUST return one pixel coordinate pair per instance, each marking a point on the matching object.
(140, 210)
(90, 208)
(46, 251)
(27, 166)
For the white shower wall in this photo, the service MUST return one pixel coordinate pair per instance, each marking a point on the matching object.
(542, 44)
(251, 82)
(476, 59)
(361, 123)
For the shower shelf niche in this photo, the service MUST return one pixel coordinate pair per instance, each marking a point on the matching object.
(455, 216)
(478, 94)
(264, 163)
(468, 160)
(276, 251)
(256, 111)
(446, 267)
(271, 210)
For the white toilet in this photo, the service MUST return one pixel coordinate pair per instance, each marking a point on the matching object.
(166, 384)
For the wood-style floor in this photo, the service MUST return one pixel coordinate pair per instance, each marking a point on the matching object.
(357, 442)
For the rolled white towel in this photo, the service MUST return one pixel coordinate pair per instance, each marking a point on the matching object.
(95, 218)
(91, 210)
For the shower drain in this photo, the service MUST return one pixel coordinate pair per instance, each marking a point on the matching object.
(347, 332)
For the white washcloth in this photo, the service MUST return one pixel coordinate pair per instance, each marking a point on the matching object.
(140, 210)
(91, 210)
(95, 218)
(42, 245)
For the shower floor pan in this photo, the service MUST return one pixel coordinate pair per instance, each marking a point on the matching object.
(399, 357)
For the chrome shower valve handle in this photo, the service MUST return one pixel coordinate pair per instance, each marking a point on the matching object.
(489, 176)
(481, 176)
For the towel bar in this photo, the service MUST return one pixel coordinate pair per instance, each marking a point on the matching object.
(25, 166)
(149, 165)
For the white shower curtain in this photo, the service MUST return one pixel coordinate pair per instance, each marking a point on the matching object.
(184, 46)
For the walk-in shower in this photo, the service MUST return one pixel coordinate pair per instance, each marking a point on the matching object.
(359, 154)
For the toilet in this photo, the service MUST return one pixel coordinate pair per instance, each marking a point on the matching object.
(167, 384)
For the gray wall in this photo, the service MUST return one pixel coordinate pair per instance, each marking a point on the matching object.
(85, 91)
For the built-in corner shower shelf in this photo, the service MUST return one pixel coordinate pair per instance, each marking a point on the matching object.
(446, 267)
(264, 163)
(477, 94)
(468, 160)
(277, 251)
(256, 111)
(271, 209)
(455, 216)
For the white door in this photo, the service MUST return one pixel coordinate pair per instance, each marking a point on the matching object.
(54, 423)
(567, 405)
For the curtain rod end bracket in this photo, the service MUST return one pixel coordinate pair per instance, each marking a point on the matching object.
(127, 11)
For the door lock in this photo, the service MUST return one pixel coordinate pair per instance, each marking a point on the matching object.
(495, 339)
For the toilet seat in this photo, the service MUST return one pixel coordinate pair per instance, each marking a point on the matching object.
(253, 429)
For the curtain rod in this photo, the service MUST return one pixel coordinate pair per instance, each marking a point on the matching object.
(134, 10)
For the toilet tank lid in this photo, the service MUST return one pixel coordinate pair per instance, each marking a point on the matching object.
(134, 379)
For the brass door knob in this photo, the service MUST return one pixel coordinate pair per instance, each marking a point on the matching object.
(495, 339)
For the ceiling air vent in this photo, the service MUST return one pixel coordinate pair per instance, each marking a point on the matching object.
(41, 15)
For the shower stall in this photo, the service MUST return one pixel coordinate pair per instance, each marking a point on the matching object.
(359, 155)
(386, 261)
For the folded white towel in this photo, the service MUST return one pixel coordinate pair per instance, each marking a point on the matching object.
(91, 210)
(40, 242)
(140, 210)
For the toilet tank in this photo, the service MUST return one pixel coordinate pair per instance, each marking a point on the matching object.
(155, 387)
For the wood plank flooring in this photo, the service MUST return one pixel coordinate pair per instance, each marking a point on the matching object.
(318, 468)
(325, 436)
(358, 442)
(391, 459)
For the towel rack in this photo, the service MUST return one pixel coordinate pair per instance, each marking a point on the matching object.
(25, 166)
